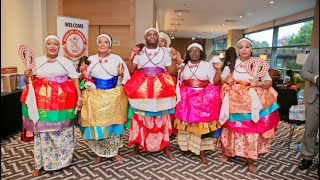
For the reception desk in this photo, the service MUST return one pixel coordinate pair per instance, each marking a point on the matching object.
(11, 113)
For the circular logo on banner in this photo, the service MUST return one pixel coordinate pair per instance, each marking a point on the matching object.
(74, 44)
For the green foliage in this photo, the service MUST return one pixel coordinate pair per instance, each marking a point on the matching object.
(291, 64)
(303, 36)
(258, 44)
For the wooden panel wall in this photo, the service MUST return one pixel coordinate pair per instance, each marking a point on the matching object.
(181, 44)
(114, 17)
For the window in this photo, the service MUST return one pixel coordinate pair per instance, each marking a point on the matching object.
(295, 34)
(286, 57)
(262, 51)
(291, 39)
(220, 45)
(261, 39)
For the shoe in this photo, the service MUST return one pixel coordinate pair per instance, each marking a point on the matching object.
(304, 164)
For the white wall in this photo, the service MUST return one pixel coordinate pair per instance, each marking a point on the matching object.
(22, 22)
(145, 18)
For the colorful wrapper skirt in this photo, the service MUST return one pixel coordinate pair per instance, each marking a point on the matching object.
(54, 133)
(152, 98)
(197, 116)
(241, 136)
(151, 93)
(103, 114)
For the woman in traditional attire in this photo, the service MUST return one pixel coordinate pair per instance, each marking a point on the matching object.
(249, 115)
(197, 112)
(105, 108)
(52, 118)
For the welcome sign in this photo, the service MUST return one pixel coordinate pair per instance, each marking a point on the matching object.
(73, 33)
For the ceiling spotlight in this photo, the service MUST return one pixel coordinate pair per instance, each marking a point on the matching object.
(180, 14)
(271, 2)
(240, 16)
(199, 36)
(223, 24)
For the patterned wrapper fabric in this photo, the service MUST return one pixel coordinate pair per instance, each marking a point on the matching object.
(56, 100)
(151, 92)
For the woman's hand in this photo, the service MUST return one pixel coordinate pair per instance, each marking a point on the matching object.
(255, 83)
(217, 65)
(27, 74)
(173, 54)
(120, 69)
(229, 79)
(79, 105)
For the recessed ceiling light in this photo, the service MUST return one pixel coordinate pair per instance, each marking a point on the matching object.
(223, 24)
(271, 2)
(180, 14)
(171, 32)
(199, 36)
(240, 16)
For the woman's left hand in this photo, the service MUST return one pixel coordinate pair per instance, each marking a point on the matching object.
(79, 105)
(120, 69)
(255, 83)
(217, 65)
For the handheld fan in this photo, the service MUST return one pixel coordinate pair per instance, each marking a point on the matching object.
(26, 54)
(257, 67)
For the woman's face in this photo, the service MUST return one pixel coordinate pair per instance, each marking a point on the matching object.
(103, 44)
(52, 46)
(162, 42)
(194, 54)
(244, 49)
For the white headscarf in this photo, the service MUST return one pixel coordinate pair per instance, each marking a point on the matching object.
(195, 45)
(244, 39)
(150, 29)
(165, 37)
(105, 35)
(51, 37)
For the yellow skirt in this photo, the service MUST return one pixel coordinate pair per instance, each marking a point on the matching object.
(104, 107)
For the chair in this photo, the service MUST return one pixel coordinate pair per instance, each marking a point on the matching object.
(287, 98)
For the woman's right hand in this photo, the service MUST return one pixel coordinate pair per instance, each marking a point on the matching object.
(229, 80)
(27, 74)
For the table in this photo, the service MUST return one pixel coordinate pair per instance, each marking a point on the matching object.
(11, 112)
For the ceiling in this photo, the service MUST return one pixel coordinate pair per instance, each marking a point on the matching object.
(213, 18)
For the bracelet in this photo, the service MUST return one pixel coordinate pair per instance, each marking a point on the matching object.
(79, 98)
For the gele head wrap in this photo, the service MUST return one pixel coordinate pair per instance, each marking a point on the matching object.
(104, 35)
(51, 37)
(166, 37)
(195, 45)
(244, 39)
(150, 29)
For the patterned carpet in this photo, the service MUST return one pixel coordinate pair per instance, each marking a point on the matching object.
(17, 163)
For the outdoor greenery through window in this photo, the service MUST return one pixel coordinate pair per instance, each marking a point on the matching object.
(261, 39)
(291, 39)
